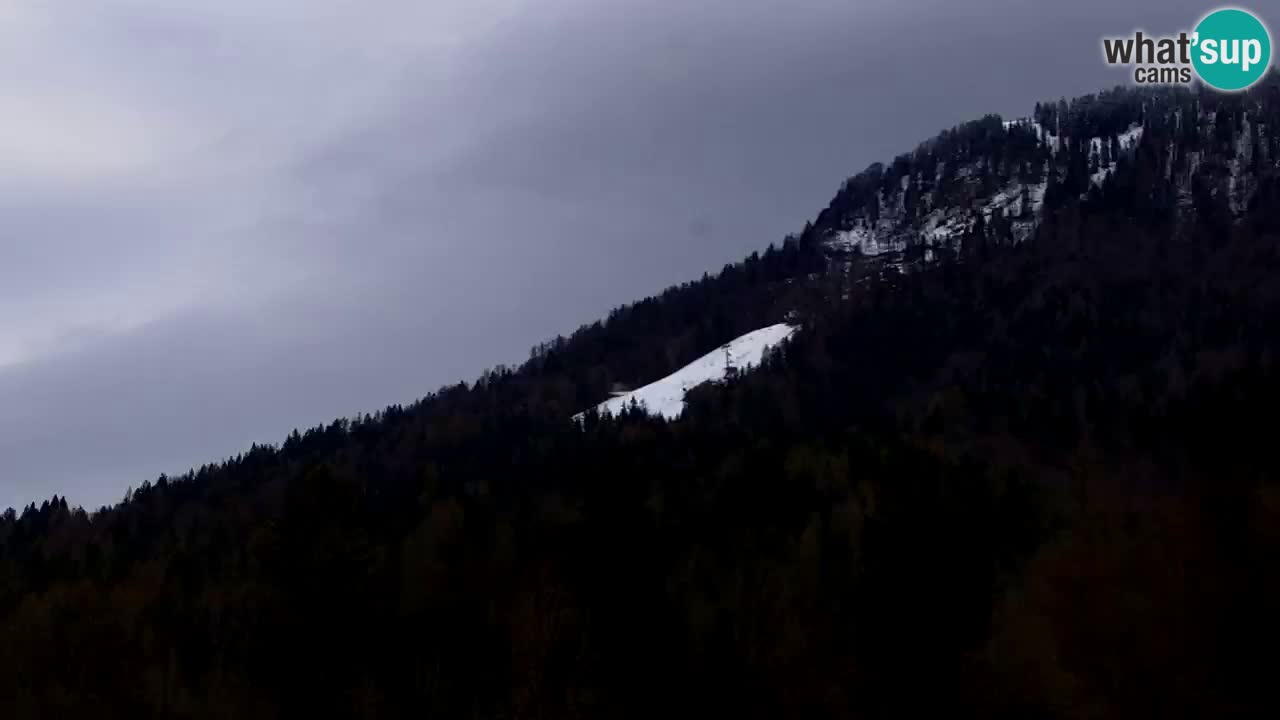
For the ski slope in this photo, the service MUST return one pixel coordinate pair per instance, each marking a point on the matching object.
(666, 396)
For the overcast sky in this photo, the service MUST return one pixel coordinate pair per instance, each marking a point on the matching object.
(224, 219)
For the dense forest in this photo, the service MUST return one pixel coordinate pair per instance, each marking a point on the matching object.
(1024, 474)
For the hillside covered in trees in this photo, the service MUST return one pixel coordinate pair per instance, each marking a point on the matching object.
(1016, 463)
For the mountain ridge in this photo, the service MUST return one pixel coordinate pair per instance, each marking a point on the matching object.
(1012, 474)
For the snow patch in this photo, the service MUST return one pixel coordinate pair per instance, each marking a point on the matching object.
(1128, 140)
(865, 240)
(666, 396)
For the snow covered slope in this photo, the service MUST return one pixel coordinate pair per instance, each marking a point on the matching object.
(666, 396)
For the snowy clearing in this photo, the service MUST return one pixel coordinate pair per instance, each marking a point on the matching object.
(666, 396)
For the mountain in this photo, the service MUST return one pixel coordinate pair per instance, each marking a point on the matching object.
(1015, 462)
(991, 179)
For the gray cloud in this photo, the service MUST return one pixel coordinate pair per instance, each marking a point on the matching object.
(221, 221)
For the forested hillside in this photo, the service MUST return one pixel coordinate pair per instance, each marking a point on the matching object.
(1015, 464)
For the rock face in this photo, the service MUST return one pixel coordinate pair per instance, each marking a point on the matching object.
(990, 182)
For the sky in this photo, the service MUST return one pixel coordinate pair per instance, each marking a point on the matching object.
(221, 220)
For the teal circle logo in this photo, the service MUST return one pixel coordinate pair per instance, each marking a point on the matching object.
(1232, 49)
